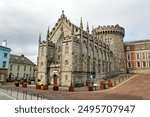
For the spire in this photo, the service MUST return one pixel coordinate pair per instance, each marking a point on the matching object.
(48, 33)
(62, 15)
(87, 28)
(92, 30)
(39, 37)
(72, 32)
(81, 24)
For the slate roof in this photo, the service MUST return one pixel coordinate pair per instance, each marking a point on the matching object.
(137, 41)
(5, 48)
(20, 60)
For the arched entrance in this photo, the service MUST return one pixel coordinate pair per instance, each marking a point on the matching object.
(55, 79)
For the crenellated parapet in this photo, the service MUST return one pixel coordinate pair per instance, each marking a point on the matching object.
(109, 29)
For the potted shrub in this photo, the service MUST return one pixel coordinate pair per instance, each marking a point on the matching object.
(24, 85)
(45, 86)
(29, 81)
(102, 85)
(90, 87)
(38, 84)
(16, 83)
(109, 83)
(55, 88)
(71, 88)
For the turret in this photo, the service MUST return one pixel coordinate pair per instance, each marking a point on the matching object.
(87, 28)
(81, 24)
(47, 33)
(39, 38)
(62, 15)
(110, 29)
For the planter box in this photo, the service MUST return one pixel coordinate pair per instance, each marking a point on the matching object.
(17, 84)
(38, 86)
(110, 84)
(24, 85)
(90, 88)
(55, 88)
(102, 85)
(71, 89)
(44, 87)
(29, 82)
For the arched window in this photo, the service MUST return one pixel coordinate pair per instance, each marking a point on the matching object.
(67, 48)
(59, 49)
(66, 62)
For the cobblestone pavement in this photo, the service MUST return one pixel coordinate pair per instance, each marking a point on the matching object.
(136, 88)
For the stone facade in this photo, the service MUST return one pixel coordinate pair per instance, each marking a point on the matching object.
(70, 54)
(113, 36)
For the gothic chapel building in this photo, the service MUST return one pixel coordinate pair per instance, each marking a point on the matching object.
(71, 54)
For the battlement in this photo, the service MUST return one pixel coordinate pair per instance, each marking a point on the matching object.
(110, 29)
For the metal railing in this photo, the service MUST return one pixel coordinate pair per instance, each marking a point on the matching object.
(18, 94)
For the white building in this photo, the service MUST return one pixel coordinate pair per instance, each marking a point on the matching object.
(20, 67)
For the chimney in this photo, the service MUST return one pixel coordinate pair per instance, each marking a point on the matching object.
(4, 43)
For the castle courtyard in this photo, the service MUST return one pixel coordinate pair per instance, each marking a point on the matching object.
(135, 88)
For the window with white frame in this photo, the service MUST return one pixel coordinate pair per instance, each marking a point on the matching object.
(142, 46)
(129, 64)
(129, 56)
(144, 64)
(138, 64)
(137, 47)
(143, 55)
(5, 55)
(148, 63)
(128, 48)
(148, 55)
(137, 56)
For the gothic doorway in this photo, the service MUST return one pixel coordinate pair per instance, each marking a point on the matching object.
(55, 79)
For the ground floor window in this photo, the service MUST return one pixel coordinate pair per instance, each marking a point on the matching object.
(138, 64)
(144, 64)
(129, 64)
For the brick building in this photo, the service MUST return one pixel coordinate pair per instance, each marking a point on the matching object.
(138, 56)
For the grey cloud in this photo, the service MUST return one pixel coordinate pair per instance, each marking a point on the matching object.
(22, 20)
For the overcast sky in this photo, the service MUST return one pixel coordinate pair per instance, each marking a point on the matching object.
(21, 21)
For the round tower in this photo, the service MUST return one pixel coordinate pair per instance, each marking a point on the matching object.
(113, 36)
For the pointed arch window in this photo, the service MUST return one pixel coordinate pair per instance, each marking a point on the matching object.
(66, 62)
(59, 48)
(66, 48)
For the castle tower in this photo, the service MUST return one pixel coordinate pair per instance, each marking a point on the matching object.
(113, 36)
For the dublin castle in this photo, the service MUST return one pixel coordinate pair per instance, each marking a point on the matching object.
(71, 54)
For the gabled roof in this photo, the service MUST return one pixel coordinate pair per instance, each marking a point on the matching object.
(20, 60)
(63, 19)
